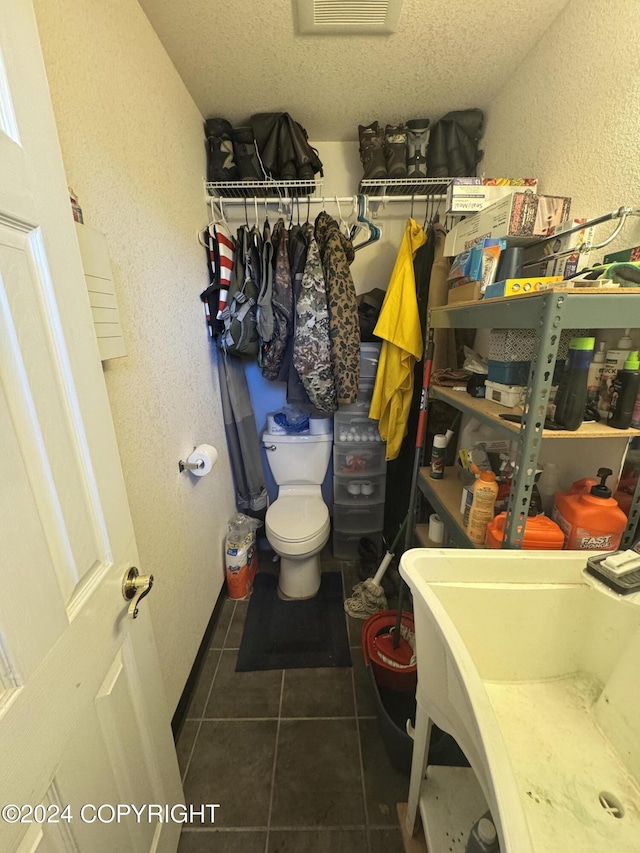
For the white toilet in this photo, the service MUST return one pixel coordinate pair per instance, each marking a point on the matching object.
(297, 523)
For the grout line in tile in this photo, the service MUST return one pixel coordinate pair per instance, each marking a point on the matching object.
(364, 790)
(275, 762)
(206, 701)
(275, 717)
(226, 633)
(349, 826)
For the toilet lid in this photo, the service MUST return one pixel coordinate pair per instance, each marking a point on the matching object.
(294, 519)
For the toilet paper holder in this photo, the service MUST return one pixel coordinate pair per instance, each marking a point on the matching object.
(201, 461)
(190, 466)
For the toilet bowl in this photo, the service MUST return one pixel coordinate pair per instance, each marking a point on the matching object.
(297, 524)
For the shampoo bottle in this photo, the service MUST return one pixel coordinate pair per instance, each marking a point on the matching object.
(624, 392)
(594, 377)
(571, 399)
(614, 361)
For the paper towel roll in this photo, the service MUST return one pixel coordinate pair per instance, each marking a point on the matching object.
(436, 529)
(206, 454)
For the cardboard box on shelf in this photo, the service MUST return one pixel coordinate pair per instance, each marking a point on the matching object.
(470, 292)
(519, 286)
(623, 256)
(521, 217)
(469, 195)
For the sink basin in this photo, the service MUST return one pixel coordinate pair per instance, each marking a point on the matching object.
(533, 666)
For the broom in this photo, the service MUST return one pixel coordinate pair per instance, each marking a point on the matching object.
(368, 597)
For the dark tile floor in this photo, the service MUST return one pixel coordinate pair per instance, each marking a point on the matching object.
(294, 757)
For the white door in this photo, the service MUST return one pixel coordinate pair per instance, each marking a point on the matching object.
(83, 717)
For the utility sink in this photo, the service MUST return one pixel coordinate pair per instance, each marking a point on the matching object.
(533, 666)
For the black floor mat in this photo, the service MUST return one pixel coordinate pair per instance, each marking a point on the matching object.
(294, 634)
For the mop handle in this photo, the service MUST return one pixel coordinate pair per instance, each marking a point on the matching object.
(420, 435)
(426, 382)
(389, 555)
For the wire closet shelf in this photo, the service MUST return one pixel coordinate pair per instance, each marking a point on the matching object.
(269, 189)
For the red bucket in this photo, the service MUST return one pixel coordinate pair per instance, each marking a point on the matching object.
(392, 668)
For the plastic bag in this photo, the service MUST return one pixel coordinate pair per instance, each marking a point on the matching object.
(292, 419)
(474, 362)
(241, 555)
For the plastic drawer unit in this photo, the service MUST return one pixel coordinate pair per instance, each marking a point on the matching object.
(365, 459)
(345, 545)
(355, 519)
(358, 489)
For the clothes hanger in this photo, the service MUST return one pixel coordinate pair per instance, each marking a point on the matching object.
(374, 232)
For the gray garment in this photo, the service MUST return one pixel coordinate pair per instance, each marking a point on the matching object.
(312, 344)
(265, 310)
(242, 437)
(282, 302)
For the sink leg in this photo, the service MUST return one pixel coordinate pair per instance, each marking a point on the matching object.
(422, 737)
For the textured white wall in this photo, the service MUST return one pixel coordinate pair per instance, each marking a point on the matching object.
(569, 113)
(132, 143)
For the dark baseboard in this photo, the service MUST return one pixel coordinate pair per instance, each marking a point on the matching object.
(183, 703)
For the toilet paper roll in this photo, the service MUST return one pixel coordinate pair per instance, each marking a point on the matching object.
(206, 454)
(436, 529)
(320, 426)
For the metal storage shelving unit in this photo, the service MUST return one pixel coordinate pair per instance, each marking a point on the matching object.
(546, 312)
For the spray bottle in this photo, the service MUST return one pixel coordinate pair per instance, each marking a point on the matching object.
(440, 443)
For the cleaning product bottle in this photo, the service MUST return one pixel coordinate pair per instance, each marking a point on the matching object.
(485, 491)
(614, 361)
(635, 417)
(571, 399)
(590, 521)
(440, 443)
(540, 533)
(594, 377)
(625, 390)
(483, 837)
(548, 485)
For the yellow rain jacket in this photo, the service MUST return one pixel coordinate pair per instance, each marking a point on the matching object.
(399, 327)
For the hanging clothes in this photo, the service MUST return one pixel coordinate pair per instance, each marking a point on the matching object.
(297, 258)
(265, 309)
(312, 343)
(242, 437)
(399, 328)
(225, 257)
(336, 253)
(399, 470)
(282, 302)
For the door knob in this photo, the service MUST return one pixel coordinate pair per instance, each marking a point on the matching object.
(134, 588)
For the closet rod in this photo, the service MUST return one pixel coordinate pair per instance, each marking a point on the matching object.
(621, 212)
(285, 200)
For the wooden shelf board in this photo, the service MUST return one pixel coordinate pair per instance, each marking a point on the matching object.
(489, 412)
(422, 536)
(445, 496)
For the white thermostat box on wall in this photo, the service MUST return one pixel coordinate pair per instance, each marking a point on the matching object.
(102, 295)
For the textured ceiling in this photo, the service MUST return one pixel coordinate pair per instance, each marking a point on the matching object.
(238, 57)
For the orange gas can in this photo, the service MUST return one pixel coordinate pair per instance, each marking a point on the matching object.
(540, 533)
(590, 520)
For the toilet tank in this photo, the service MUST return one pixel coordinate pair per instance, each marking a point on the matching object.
(298, 459)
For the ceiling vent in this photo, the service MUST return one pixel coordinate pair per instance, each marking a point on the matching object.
(340, 17)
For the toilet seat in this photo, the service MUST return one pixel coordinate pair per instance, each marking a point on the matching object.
(297, 524)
